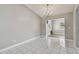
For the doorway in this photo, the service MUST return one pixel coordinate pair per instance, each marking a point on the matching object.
(55, 28)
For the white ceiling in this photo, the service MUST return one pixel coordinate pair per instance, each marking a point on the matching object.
(55, 9)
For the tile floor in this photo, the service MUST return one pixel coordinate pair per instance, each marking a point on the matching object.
(42, 46)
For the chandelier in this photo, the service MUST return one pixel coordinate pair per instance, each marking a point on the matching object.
(48, 10)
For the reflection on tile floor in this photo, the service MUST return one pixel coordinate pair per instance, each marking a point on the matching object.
(40, 46)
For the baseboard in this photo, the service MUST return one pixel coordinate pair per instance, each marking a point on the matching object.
(69, 40)
(15, 45)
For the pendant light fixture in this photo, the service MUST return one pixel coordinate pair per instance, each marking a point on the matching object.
(49, 10)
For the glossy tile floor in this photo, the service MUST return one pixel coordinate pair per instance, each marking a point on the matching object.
(42, 46)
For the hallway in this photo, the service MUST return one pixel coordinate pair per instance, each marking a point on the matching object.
(20, 23)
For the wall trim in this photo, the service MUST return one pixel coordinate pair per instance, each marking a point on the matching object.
(15, 45)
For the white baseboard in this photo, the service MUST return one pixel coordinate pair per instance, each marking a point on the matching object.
(15, 45)
(69, 40)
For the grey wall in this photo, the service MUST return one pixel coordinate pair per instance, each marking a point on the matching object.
(17, 24)
(77, 26)
(68, 24)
